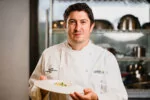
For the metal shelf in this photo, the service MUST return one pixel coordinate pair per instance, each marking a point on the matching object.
(146, 59)
(138, 93)
(95, 31)
(122, 31)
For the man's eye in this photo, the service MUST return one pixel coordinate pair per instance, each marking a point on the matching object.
(83, 22)
(72, 22)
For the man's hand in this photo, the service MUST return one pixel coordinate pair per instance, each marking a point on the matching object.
(43, 92)
(88, 95)
(42, 77)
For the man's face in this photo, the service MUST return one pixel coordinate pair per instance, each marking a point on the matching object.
(78, 27)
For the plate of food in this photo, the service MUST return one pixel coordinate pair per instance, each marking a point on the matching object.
(58, 86)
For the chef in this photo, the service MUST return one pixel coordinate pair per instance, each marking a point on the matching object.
(79, 61)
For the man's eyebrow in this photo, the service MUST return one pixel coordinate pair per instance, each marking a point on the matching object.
(80, 19)
(71, 19)
(84, 20)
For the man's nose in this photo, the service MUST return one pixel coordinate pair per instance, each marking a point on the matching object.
(78, 26)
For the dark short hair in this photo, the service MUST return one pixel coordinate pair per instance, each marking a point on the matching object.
(79, 7)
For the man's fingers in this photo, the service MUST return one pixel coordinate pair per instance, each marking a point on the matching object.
(87, 90)
(77, 96)
(74, 97)
(42, 77)
(88, 95)
(80, 96)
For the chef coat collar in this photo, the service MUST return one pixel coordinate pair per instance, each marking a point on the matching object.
(86, 48)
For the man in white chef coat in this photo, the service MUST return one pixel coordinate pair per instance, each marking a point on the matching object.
(79, 61)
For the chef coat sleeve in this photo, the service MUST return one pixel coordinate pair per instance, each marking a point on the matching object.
(34, 92)
(115, 87)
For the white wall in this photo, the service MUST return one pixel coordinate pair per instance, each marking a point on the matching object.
(14, 49)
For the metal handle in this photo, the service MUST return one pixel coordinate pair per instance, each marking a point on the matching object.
(50, 21)
(47, 29)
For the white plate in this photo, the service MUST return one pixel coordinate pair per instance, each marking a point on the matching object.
(49, 85)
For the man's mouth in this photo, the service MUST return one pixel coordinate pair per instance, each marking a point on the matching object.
(77, 34)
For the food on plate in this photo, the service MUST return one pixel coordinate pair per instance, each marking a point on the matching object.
(63, 84)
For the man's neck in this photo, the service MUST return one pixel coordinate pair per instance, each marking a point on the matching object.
(77, 46)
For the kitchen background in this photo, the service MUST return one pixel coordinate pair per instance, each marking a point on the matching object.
(24, 27)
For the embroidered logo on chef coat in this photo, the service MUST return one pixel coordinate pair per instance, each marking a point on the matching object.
(99, 71)
(50, 70)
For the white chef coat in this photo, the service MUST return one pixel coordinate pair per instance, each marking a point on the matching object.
(92, 67)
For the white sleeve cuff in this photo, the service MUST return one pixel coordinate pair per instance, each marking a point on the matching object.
(35, 94)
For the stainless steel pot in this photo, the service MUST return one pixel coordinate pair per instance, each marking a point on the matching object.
(129, 22)
(103, 24)
(146, 25)
(139, 51)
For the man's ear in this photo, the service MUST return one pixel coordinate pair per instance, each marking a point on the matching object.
(92, 27)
